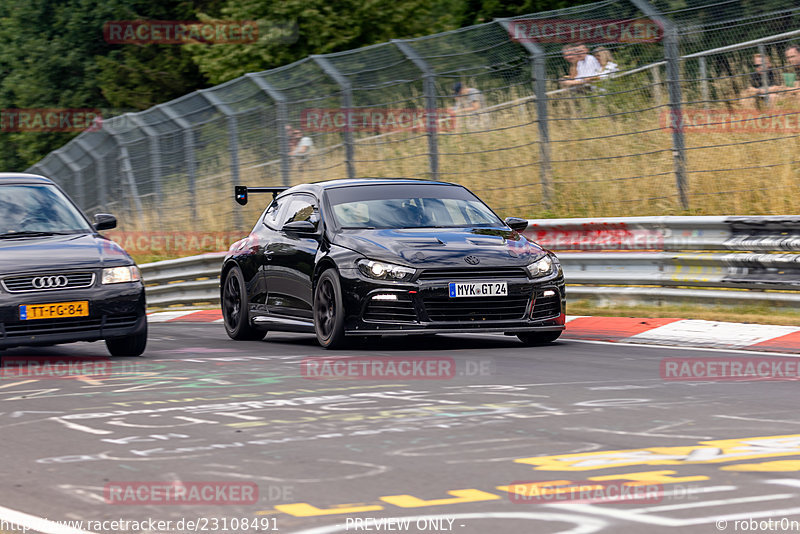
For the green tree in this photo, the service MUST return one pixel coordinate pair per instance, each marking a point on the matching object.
(293, 29)
(54, 56)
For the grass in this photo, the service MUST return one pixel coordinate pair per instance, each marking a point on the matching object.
(610, 156)
(738, 314)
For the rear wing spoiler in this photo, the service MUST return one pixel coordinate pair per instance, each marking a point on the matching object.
(241, 191)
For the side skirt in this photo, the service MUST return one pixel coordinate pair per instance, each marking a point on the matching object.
(283, 324)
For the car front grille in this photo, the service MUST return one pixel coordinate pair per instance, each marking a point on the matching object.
(25, 284)
(485, 273)
(466, 309)
(401, 310)
(65, 326)
(546, 307)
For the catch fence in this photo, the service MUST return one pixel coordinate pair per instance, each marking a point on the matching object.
(686, 125)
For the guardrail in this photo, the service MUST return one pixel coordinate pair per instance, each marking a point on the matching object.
(672, 260)
(652, 260)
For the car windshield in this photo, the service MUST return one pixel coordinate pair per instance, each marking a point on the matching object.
(409, 206)
(30, 209)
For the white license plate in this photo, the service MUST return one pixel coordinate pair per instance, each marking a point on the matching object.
(478, 289)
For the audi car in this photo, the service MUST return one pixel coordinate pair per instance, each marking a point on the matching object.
(60, 280)
(367, 257)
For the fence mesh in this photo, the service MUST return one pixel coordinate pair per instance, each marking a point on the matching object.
(691, 110)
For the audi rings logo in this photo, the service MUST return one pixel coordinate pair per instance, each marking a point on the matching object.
(472, 260)
(49, 282)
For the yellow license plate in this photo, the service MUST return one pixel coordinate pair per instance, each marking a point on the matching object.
(57, 310)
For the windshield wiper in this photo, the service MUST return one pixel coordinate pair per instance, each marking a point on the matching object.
(12, 235)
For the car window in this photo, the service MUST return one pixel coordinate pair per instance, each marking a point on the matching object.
(409, 206)
(273, 211)
(38, 208)
(301, 208)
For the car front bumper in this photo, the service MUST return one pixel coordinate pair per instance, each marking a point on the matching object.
(116, 310)
(379, 308)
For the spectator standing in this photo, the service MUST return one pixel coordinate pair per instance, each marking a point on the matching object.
(469, 103)
(300, 145)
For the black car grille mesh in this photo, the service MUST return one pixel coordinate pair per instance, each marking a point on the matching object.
(401, 310)
(493, 273)
(448, 309)
(24, 284)
(546, 307)
(65, 326)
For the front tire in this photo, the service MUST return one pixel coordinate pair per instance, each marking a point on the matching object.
(236, 307)
(329, 311)
(535, 339)
(133, 345)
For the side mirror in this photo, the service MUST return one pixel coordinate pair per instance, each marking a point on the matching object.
(300, 227)
(104, 221)
(515, 223)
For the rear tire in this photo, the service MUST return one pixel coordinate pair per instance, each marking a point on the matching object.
(329, 311)
(535, 339)
(129, 345)
(236, 307)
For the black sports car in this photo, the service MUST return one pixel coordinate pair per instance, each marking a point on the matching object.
(61, 281)
(366, 257)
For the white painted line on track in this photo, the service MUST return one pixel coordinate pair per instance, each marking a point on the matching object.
(163, 317)
(37, 524)
(714, 333)
(672, 347)
(623, 343)
(663, 521)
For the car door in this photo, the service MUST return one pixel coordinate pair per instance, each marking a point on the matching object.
(266, 231)
(291, 257)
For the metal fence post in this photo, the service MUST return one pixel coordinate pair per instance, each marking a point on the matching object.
(283, 120)
(80, 198)
(347, 103)
(764, 78)
(102, 185)
(539, 72)
(233, 147)
(155, 155)
(673, 58)
(188, 144)
(704, 80)
(127, 170)
(431, 114)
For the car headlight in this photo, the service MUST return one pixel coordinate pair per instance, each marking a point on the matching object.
(385, 271)
(117, 275)
(542, 267)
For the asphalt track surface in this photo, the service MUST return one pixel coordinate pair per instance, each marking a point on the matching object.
(333, 454)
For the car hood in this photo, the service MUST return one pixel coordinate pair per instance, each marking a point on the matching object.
(74, 251)
(445, 247)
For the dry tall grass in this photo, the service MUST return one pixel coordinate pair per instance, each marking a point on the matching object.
(606, 161)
